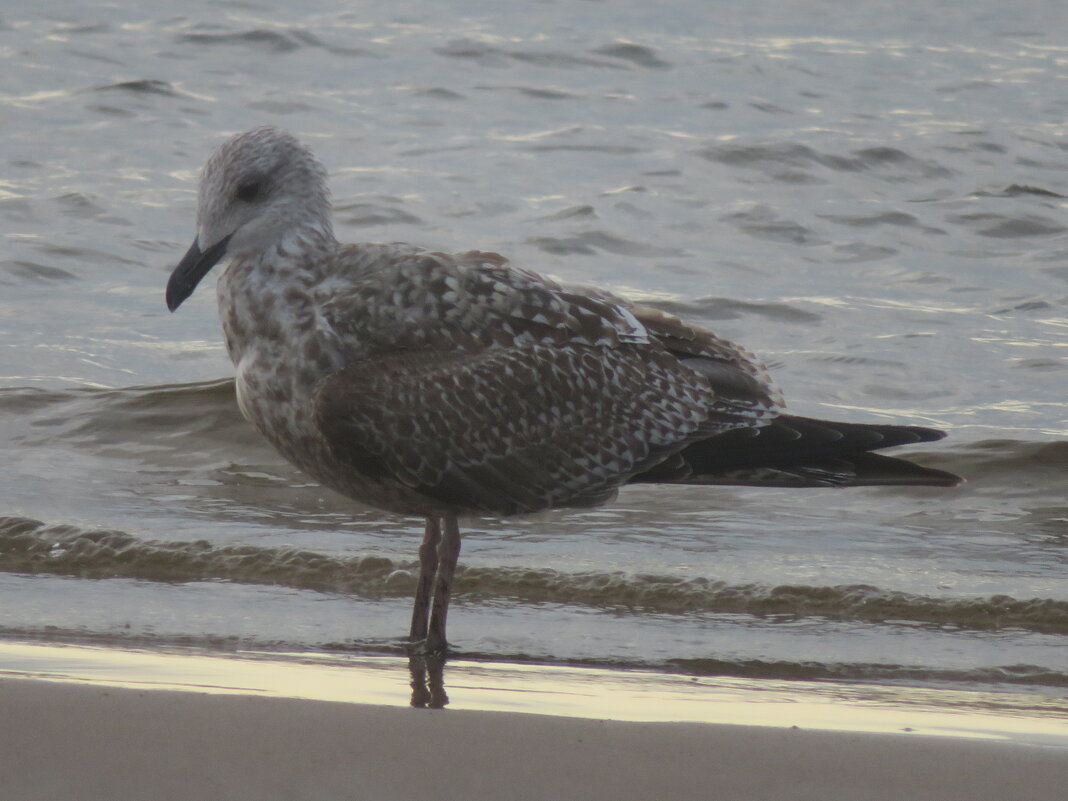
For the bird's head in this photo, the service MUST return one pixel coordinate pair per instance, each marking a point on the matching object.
(255, 190)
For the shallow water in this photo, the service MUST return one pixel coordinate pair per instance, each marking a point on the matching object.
(1022, 718)
(874, 202)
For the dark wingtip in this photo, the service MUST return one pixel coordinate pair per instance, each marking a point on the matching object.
(928, 434)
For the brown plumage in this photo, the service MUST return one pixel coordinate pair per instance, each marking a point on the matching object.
(449, 384)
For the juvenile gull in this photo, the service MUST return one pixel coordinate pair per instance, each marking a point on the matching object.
(443, 385)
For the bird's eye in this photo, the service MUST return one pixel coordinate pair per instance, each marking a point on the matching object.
(249, 191)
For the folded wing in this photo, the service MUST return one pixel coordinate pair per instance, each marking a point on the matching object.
(520, 429)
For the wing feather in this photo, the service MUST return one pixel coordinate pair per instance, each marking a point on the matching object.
(494, 389)
(507, 430)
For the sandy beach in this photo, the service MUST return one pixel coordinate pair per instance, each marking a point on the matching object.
(90, 743)
(106, 740)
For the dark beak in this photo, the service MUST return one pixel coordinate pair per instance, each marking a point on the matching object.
(193, 266)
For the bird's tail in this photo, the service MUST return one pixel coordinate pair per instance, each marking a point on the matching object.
(803, 452)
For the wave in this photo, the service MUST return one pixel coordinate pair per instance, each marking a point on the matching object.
(197, 416)
(198, 426)
(1026, 675)
(619, 55)
(888, 163)
(31, 546)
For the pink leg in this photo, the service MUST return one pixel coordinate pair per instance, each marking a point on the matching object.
(428, 568)
(448, 553)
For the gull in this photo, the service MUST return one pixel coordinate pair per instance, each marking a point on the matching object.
(459, 384)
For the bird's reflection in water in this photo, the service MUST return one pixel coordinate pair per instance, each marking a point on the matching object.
(428, 681)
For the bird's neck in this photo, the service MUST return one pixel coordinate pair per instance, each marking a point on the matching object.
(266, 297)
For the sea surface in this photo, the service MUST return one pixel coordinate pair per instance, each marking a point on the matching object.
(872, 197)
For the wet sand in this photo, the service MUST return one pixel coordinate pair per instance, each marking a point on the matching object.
(93, 742)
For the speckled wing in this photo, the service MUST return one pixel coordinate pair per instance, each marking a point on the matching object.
(738, 377)
(415, 300)
(517, 429)
(494, 389)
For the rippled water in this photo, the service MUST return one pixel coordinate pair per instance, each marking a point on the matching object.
(874, 201)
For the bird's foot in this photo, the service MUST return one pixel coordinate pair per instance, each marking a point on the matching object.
(428, 682)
